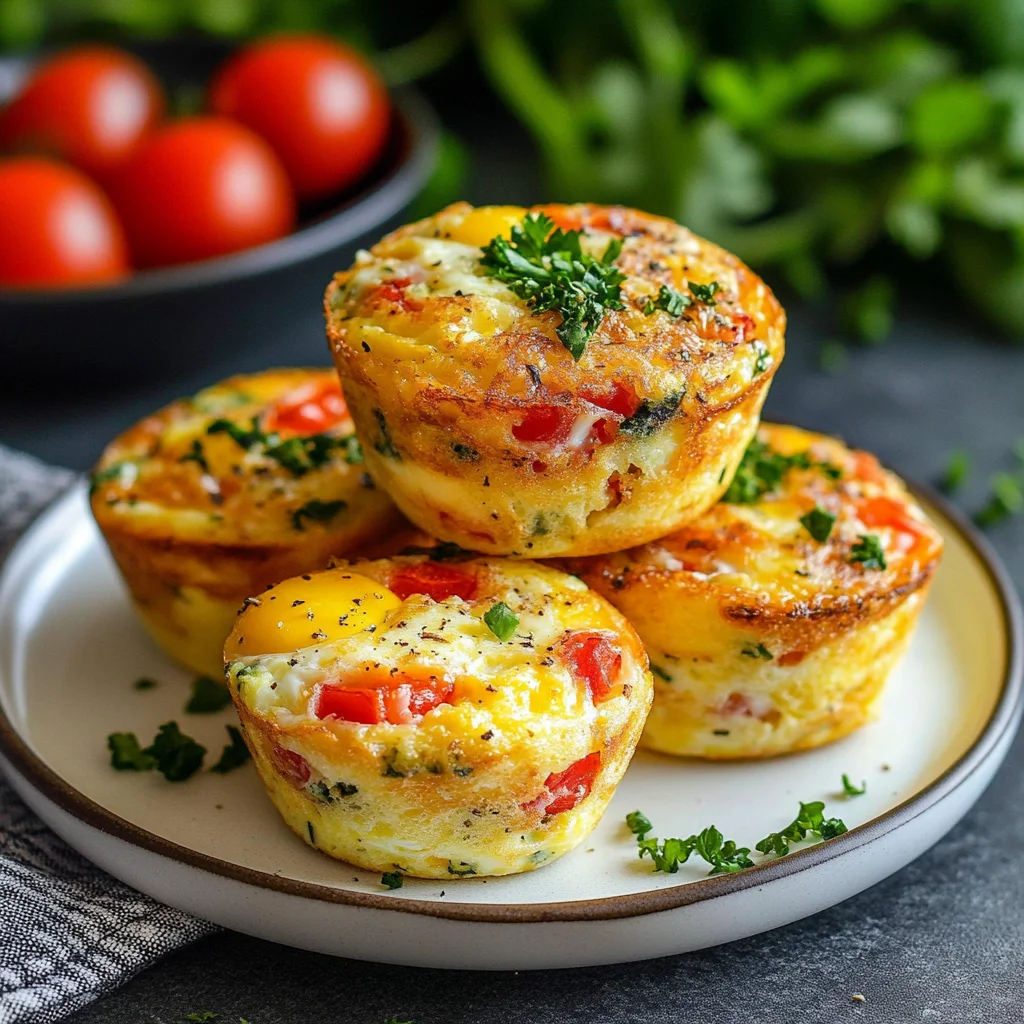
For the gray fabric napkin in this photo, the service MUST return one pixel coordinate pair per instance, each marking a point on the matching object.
(68, 932)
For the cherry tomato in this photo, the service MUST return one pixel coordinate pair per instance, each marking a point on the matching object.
(436, 581)
(318, 103)
(56, 227)
(397, 703)
(594, 660)
(89, 105)
(573, 784)
(549, 423)
(880, 511)
(311, 408)
(294, 767)
(199, 188)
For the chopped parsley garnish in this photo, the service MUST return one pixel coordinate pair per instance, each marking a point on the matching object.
(317, 511)
(145, 683)
(958, 468)
(850, 789)
(234, 755)
(868, 551)
(759, 651)
(392, 879)
(177, 756)
(672, 302)
(818, 523)
(811, 820)
(461, 869)
(762, 358)
(705, 292)
(760, 472)
(298, 455)
(106, 475)
(386, 446)
(441, 552)
(547, 267)
(501, 620)
(197, 455)
(660, 672)
(651, 415)
(126, 755)
(722, 854)
(352, 448)
(208, 695)
(1007, 500)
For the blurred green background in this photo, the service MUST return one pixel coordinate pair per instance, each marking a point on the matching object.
(846, 147)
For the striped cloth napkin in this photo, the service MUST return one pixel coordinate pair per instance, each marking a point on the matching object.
(68, 932)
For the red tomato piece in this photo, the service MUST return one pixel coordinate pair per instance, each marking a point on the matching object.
(201, 187)
(310, 409)
(867, 467)
(619, 399)
(435, 580)
(320, 105)
(573, 784)
(393, 291)
(550, 423)
(397, 703)
(887, 512)
(294, 767)
(89, 105)
(594, 660)
(57, 228)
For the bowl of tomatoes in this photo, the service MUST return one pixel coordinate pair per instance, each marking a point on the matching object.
(179, 199)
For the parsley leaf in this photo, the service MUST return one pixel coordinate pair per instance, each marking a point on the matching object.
(818, 523)
(547, 267)
(668, 299)
(386, 446)
(705, 292)
(145, 683)
(659, 672)
(298, 455)
(392, 879)
(317, 511)
(760, 472)
(1006, 500)
(651, 415)
(177, 756)
(850, 789)
(208, 695)
(760, 651)
(810, 820)
(958, 468)
(722, 854)
(762, 357)
(234, 755)
(196, 455)
(501, 620)
(126, 755)
(868, 551)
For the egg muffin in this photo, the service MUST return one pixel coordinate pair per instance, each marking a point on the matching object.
(216, 496)
(439, 719)
(567, 380)
(773, 621)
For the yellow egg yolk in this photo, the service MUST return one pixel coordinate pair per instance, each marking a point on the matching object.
(306, 610)
(487, 222)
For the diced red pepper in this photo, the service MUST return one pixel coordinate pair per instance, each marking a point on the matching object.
(887, 512)
(548, 423)
(294, 767)
(394, 291)
(398, 702)
(867, 467)
(594, 660)
(311, 408)
(436, 581)
(573, 784)
(618, 398)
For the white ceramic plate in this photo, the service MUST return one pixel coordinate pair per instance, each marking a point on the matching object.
(70, 649)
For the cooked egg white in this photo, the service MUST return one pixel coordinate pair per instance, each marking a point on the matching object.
(763, 639)
(214, 497)
(478, 422)
(395, 729)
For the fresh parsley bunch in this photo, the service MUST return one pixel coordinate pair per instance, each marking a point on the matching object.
(722, 854)
(547, 267)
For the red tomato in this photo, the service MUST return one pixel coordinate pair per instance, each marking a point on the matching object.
(618, 398)
(56, 227)
(318, 103)
(309, 409)
(434, 580)
(201, 187)
(874, 512)
(594, 660)
(294, 767)
(867, 467)
(90, 105)
(397, 703)
(550, 423)
(573, 784)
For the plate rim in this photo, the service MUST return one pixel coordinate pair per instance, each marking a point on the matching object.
(1005, 716)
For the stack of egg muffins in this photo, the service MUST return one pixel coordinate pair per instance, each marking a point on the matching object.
(579, 385)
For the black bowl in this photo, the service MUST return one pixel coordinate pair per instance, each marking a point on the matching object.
(159, 321)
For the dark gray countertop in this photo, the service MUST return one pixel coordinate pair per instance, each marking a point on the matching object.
(942, 941)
